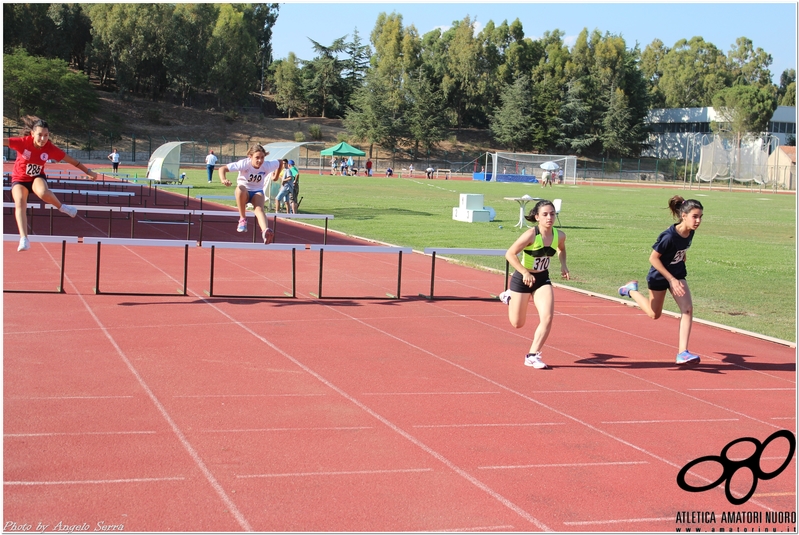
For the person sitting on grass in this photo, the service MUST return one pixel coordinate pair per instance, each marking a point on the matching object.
(34, 150)
(250, 186)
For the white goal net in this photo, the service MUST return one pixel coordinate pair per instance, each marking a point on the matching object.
(519, 167)
(724, 157)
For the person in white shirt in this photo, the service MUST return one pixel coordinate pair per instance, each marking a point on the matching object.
(210, 162)
(114, 157)
(250, 186)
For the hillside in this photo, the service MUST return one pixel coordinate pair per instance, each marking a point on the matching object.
(159, 120)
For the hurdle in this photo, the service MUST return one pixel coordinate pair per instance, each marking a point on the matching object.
(140, 242)
(326, 217)
(359, 249)
(88, 208)
(45, 239)
(461, 251)
(30, 208)
(293, 247)
(155, 211)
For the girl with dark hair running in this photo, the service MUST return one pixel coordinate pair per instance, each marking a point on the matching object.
(34, 150)
(531, 281)
(668, 272)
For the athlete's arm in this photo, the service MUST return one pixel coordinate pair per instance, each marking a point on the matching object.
(72, 161)
(564, 271)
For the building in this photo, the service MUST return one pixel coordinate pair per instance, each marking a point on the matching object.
(782, 168)
(673, 129)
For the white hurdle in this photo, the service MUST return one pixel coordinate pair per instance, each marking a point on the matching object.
(460, 251)
(293, 247)
(45, 239)
(360, 249)
(133, 242)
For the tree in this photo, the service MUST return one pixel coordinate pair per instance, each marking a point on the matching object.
(786, 94)
(693, 71)
(48, 89)
(747, 65)
(652, 71)
(323, 84)
(745, 108)
(511, 122)
(371, 116)
(189, 60)
(288, 84)
(428, 122)
(620, 130)
(233, 50)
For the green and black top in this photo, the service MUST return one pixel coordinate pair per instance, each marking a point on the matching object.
(536, 256)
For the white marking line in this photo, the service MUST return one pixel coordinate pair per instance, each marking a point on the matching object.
(426, 393)
(18, 435)
(544, 405)
(739, 389)
(95, 481)
(424, 447)
(249, 395)
(591, 391)
(671, 421)
(783, 418)
(340, 473)
(67, 398)
(561, 465)
(621, 521)
(165, 415)
(279, 429)
(480, 528)
(490, 425)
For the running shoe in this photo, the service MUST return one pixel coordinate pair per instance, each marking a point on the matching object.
(534, 360)
(686, 357)
(625, 290)
(268, 235)
(242, 225)
(24, 244)
(505, 297)
(71, 211)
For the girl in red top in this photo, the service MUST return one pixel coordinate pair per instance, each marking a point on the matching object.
(34, 149)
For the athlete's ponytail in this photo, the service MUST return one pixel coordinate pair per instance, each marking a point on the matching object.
(30, 122)
(679, 206)
(532, 216)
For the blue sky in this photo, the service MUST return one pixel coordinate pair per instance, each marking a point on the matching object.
(770, 26)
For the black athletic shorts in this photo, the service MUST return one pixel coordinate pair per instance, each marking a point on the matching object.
(517, 283)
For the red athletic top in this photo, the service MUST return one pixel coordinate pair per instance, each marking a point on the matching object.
(31, 159)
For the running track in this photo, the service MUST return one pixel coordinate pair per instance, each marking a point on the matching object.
(227, 414)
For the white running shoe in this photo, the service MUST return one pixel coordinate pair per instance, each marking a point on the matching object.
(24, 244)
(71, 211)
(268, 236)
(505, 297)
(534, 360)
(242, 225)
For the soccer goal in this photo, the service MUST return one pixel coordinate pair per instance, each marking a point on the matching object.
(523, 167)
(728, 158)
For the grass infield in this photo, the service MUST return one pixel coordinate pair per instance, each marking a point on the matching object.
(741, 265)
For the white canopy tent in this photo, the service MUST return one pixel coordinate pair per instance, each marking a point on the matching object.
(164, 164)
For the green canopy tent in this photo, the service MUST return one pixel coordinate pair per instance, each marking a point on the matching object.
(342, 149)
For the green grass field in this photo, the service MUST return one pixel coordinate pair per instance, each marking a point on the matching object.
(741, 265)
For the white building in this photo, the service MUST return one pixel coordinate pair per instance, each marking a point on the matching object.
(673, 128)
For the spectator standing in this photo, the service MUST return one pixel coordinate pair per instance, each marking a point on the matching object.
(114, 157)
(369, 167)
(286, 187)
(430, 172)
(210, 162)
(295, 187)
(410, 170)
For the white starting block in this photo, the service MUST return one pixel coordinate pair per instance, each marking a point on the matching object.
(471, 209)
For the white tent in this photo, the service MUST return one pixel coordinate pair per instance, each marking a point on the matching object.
(164, 164)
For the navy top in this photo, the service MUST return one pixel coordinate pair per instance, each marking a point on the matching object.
(672, 248)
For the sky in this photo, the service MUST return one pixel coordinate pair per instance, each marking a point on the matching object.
(770, 26)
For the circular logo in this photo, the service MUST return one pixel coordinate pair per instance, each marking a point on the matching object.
(44, 156)
(730, 466)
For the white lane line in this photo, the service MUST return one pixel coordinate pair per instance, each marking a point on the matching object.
(19, 435)
(248, 395)
(337, 473)
(619, 521)
(670, 421)
(283, 429)
(592, 391)
(738, 389)
(561, 465)
(385, 421)
(492, 425)
(65, 398)
(231, 506)
(427, 393)
(95, 481)
(479, 528)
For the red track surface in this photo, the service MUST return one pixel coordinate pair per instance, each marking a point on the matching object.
(224, 414)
